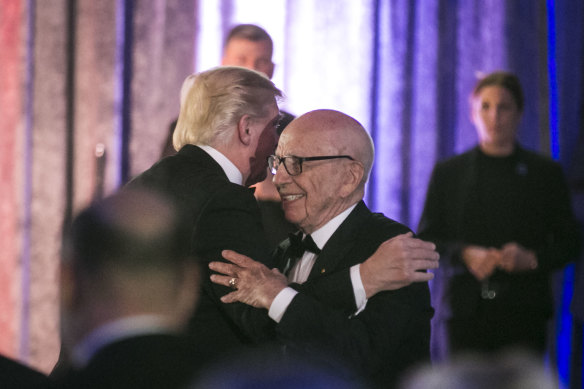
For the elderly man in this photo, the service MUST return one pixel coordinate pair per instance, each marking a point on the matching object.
(226, 131)
(321, 166)
(128, 287)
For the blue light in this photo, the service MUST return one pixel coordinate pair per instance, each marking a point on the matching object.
(552, 73)
(564, 321)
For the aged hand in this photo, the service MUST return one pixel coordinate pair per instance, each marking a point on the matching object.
(397, 262)
(516, 258)
(481, 261)
(255, 284)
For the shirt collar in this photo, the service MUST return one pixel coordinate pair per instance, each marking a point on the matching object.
(231, 171)
(324, 233)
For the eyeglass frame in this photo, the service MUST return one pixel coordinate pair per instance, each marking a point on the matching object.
(282, 160)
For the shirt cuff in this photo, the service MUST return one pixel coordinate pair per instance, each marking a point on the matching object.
(358, 288)
(281, 303)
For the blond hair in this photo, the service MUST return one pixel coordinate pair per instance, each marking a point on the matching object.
(216, 100)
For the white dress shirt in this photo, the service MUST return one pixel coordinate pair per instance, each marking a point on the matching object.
(301, 270)
(231, 171)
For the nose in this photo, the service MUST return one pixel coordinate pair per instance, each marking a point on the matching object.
(497, 113)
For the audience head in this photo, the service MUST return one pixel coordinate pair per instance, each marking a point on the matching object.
(508, 371)
(502, 79)
(123, 256)
(267, 367)
(496, 106)
(233, 110)
(249, 46)
(314, 191)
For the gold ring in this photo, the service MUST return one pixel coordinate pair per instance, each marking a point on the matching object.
(233, 283)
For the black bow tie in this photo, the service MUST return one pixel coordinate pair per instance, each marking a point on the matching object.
(298, 245)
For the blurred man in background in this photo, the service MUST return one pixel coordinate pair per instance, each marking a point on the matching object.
(128, 287)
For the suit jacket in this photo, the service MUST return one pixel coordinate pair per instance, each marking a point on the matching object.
(14, 375)
(224, 216)
(541, 220)
(391, 334)
(147, 361)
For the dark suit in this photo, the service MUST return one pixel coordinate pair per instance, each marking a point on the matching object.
(527, 202)
(225, 216)
(148, 361)
(14, 375)
(391, 334)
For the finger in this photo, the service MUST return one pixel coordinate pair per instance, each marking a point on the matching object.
(276, 271)
(230, 297)
(238, 259)
(221, 280)
(505, 267)
(422, 276)
(423, 264)
(504, 261)
(223, 268)
(479, 275)
(407, 235)
(416, 243)
(425, 253)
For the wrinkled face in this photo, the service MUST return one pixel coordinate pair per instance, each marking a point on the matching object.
(264, 140)
(495, 116)
(311, 198)
(249, 54)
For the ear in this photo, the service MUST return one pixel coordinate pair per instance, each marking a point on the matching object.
(270, 73)
(352, 178)
(244, 130)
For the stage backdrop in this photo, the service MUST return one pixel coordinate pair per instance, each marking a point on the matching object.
(88, 88)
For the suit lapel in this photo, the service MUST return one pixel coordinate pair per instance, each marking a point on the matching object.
(290, 256)
(283, 255)
(344, 238)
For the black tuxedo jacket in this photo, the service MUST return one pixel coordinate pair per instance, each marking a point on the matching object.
(148, 361)
(224, 216)
(542, 221)
(391, 334)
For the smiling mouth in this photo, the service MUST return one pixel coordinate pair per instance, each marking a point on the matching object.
(291, 197)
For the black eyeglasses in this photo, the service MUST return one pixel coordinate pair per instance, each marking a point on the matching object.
(293, 164)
